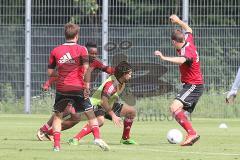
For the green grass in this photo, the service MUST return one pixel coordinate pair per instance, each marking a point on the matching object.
(18, 141)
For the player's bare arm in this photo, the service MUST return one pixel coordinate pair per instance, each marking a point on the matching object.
(87, 73)
(48, 83)
(52, 73)
(176, 60)
(116, 120)
(87, 77)
(176, 20)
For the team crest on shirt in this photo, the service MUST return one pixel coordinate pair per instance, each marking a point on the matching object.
(67, 58)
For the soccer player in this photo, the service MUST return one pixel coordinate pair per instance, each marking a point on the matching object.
(70, 117)
(71, 62)
(233, 92)
(107, 105)
(94, 62)
(191, 77)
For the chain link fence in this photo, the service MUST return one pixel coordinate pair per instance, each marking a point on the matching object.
(136, 29)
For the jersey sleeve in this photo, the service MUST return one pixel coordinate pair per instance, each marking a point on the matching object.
(110, 70)
(109, 89)
(97, 64)
(189, 37)
(52, 61)
(83, 55)
(190, 56)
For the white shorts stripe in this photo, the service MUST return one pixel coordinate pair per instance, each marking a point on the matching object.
(187, 92)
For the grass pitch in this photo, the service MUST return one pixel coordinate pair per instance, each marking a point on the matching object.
(18, 141)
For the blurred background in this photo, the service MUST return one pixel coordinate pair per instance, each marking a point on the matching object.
(135, 29)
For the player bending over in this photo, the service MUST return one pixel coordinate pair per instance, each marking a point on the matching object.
(105, 100)
(191, 77)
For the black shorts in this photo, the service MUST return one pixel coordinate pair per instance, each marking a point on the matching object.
(99, 111)
(189, 96)
(78, 102)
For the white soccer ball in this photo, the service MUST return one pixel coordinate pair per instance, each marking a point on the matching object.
(174, 136)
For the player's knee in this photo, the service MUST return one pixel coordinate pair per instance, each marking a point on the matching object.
(131, 113)
(176, 105)
(100, 121)
(173, 109)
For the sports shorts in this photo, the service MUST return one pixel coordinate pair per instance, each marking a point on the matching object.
(189, 96)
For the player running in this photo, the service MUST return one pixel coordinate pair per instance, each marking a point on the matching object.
(71, 118)
(191, 77)
(105, 100)
(71, 62)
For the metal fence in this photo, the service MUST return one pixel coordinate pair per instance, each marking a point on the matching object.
(136, 28)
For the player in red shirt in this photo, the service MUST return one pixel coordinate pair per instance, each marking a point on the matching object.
(94, 64)
(70, 117)
(107, 105)
(71, 62)
(191, 77)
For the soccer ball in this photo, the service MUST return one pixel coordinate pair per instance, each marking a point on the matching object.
(174, 136)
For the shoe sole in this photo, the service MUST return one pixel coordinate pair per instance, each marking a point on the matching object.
(192, 141)
(103, 147)
(40, 136)
(195, 139)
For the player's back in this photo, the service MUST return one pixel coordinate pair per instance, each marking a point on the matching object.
(69, 58)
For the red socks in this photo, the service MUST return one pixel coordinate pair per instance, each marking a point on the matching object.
(96, 131)
(181, 118)
(56, 137)
(45, 128)
(127, 127)
(85, 131)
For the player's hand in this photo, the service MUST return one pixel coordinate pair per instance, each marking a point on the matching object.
(174, 19)
(117, 121)
(86, 93)
(231, 97)
(45, 87)
(158, 53)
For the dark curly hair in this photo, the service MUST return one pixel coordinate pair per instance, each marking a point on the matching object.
(122, 68)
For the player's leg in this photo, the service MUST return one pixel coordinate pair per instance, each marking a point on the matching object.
(129, 113)
(45, 129)
(71, 121)
(93, 122)
(57, 120)
(61, 102)
(85, 131)
(187, 98)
